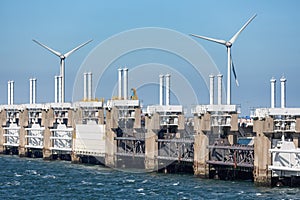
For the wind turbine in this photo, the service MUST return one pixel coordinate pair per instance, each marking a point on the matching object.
(228, 44)
(62, 63)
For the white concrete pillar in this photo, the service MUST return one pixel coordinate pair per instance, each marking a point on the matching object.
(8, 93)
(168, 89)
(273, 92)
(30, 91)
(12, 92)
(59, 83)
(161, 89)
(220, 77)
(84, 86)
(34, 91)
(120, 83)
(125, 84)
(90, 97)
(283, 98)
(56, 89)
(211, 89)
(60, 87)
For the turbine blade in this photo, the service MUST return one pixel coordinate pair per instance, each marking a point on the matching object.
(76, 48)
(233, 39)
(234, 73)
(48, 48)
(210, 39)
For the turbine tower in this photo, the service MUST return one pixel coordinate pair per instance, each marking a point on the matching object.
(228, 45)
(62, 63)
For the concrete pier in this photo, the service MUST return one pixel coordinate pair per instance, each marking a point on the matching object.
(47, 122)
(262, 157)
(110, 143)
(23, 121)
(3, 120)
(151, 147)
(201, 152)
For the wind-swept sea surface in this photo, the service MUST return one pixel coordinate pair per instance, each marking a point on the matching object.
(24, 178)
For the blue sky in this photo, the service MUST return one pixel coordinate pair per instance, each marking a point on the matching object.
(268, 47)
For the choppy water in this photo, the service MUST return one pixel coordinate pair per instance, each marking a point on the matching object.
(23, 178)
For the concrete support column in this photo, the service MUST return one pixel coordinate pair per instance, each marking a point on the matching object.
(273, 92)
(71, 119)
(34, 91)
(232, 137)
(201, 153)
(151, 146)
(110, 143)
(234, 122)
(76, 118)
(296, 140)
(2, 131)
(220, 77)
(56, 89)
(23, 121)
(12, 90)
(101, 116)
(60, 94)
(161, 89)
(125, 83)
(181, 121)
(262, 156)
(137, 118)
(47, 122)
(120, 84)
(72, 123)
(90, 86)
(297, 124)
(282, 83)
(168, 86)
(30, 91)
(85, 90)
(8, 93)
(211, 89)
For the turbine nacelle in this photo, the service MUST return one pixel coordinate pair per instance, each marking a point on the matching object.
(228, 44)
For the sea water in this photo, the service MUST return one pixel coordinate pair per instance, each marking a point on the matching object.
(25, 178)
